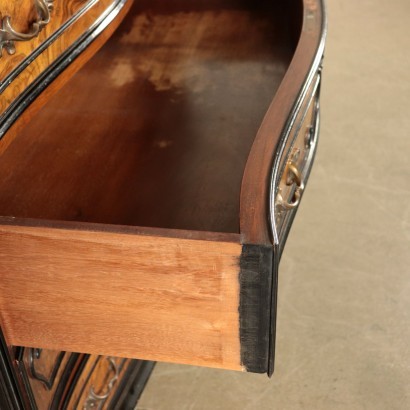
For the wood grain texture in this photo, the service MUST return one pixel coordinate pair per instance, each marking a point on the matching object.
(44, 366)
(124, 295)
(255, 200)
(161, 125)
(162, 118)
(27, 115)
(63, 12)
(101, 375)
(22, 14)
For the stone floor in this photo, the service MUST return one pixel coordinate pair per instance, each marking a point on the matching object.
(344, 297)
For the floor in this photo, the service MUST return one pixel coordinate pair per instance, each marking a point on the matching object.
(344, 297)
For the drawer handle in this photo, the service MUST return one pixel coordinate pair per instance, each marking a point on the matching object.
(94, 399)
(8, 35)
(293, 176)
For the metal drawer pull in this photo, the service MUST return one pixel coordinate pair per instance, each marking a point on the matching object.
(95, 400)
(8, 35)
(293, 176)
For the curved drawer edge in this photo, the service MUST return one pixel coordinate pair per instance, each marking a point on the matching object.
(262, 172)
(265, 163)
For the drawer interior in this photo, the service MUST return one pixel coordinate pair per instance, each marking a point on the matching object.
(156, 129)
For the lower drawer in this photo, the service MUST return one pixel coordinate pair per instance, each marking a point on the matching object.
(60, 380)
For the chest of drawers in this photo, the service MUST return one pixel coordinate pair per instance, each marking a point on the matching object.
(146, 194)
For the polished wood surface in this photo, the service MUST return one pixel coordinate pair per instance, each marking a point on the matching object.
(42, 371)
(98, 383)
(54, 379)
(163, 118)
(124, 295)
(81, 15)
(18, 127)
(255, 225)
(22, 14)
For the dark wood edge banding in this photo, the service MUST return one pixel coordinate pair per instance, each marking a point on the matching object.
(255, 280)
(271, 137)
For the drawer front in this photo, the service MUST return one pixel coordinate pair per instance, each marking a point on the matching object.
(45, 375)
(37, 37)
(54, 379)
(297, 162)
(98, 383)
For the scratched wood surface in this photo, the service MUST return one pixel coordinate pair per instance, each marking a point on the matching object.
(125, 295)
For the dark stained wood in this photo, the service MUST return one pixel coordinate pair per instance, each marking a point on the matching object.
(256, 281)
(156, 129)
(255, 191)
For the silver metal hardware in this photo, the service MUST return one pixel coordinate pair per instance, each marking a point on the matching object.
(8, 35)
(97, 400)
(293, 203)
(35, 354)
(52, 71)
(293, 176)
(310, 132)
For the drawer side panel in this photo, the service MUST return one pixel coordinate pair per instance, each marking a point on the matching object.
(152, 298)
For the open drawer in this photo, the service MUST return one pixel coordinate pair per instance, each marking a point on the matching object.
(140, 213)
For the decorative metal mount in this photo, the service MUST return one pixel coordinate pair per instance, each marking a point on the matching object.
(8, 35)
(35, 354)
(97, 400)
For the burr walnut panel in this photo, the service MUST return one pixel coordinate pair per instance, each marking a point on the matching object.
(69, 20)
(22, 15)
(27, 72)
